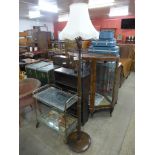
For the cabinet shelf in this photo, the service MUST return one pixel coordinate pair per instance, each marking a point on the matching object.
(102, 101)
(66, 84)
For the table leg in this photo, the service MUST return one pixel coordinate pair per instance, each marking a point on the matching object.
(36, 108)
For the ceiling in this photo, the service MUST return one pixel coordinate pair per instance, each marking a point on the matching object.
(26, 5)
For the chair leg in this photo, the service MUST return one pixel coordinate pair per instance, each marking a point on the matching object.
(20, 124)
(39, 108)
(31, 106)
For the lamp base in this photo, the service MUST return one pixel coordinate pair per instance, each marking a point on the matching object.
(81, 144)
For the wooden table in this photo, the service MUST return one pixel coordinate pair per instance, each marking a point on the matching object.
(30, 61)
(26, 61)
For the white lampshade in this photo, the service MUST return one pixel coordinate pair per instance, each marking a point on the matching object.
(79, 24)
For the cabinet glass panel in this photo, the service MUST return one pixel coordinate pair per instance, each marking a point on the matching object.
(105, 74)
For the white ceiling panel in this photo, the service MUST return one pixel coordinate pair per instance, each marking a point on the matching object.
(26, 5)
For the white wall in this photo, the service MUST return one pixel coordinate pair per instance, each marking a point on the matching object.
(25, 24)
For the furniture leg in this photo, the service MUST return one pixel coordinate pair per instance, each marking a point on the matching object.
(36, 107)
(114, 98)
(92, 85)
(39, 107)
(111, 111)
(92, 114)
(20, 121)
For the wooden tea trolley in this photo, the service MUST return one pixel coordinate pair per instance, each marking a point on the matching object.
(57, 103)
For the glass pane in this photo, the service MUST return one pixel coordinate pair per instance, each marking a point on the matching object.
(105, 72)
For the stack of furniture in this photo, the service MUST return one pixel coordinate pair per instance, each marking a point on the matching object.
(39, 39)
(24, 43)
(34, 43)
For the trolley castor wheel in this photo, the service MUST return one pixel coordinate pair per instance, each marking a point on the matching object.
(65, 141)
(37, 124)
(92, 114)
(111, 112)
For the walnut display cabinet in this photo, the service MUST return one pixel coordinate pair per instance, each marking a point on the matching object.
(104, 82)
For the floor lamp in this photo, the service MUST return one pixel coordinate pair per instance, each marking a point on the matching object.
(79, 141)
(79, 26)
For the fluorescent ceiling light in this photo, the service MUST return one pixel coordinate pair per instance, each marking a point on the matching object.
(62, 18)
(48, 6)
(100, 3)
(34, 14)
(119, 11)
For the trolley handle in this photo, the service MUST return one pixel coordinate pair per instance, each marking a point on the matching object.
(71, 92)
(53, 85)
(40, 88)
(71, 98)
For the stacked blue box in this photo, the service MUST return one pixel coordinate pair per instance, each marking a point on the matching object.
(106, 35)
(105, 45)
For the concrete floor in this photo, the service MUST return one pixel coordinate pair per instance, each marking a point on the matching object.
(109, 135)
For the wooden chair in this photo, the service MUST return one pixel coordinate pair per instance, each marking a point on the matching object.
(127, 52)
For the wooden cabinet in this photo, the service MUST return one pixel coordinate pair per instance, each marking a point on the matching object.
(127, 58)
(24, 42)
(107, 98)
(41, 39)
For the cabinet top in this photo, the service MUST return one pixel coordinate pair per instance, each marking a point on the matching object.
(96, 57)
